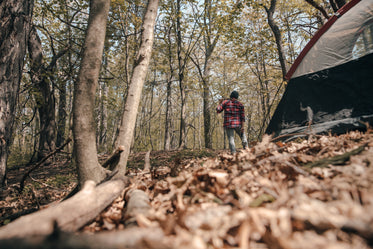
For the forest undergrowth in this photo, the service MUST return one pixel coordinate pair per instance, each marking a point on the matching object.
(310, 193)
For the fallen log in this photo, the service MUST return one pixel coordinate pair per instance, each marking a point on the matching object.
(147, 164)
(70, 215)
(135, 237)
(137, 203)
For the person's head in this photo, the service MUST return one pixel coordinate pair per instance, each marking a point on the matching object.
(234, 95)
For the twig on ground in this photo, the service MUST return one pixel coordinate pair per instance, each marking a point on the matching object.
(336, 160)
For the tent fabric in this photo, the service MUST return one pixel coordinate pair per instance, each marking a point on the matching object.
(336, 46)
(331, 88)
(327, 101)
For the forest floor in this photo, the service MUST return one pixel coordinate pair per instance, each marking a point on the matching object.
(311, 193)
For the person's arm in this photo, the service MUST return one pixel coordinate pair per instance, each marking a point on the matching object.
(220, 107)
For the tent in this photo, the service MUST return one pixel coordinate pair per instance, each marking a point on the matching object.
(330, 84)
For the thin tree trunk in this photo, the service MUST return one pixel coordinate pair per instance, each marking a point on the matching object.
(142, 60)
(318, 7)
(85, 150)
(207, 115)
(337, 4)
(62, 103)
(206, 93)
(15, 22)
(210, 44)
(150, 117)
(62, 115)
(104, 117)
(182, 131)
(44, 96)
(277, 33)
(167, 132)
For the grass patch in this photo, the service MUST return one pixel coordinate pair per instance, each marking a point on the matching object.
(16, 159)
(61, 181)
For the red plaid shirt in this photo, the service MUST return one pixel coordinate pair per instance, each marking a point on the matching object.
(234, 113)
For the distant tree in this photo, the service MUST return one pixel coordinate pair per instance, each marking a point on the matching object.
(277, 34)
(15, 24)
(41, 78)
(319, 7)
(170, 77)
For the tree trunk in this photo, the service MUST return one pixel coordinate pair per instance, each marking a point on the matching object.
(168, 126)
(182, 131)
(182, 134)
(210, 44)
(62, 115)
(206, 92)
(167, 133)
(207, 115)
(277, 33)
(337, 4)
(103, 120)
(15, 22)
(70, 215)
(318, 7)
(150, 116)
(63, 83)
(142, 60)
(44, 96)
(85, 150)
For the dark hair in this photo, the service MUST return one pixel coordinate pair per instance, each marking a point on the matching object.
(234, 95)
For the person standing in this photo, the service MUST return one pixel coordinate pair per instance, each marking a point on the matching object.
(234, 119)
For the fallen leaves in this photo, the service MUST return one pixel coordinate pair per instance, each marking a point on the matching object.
(262, 197)
(265, 197)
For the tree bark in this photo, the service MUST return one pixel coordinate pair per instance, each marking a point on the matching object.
(210, 44)
(207, 114)
(318, 7)
(104, 116)
(84, 128)
(168, 124)
(15, 23)
(70, 215)
(130, 238)
(142, 60)
(337, 4)
(277, 33)
(167, 133)
(44, 96)
(181, 61)
(137, 204)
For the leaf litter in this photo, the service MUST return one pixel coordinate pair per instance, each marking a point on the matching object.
(266, 196)
(313, 193)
